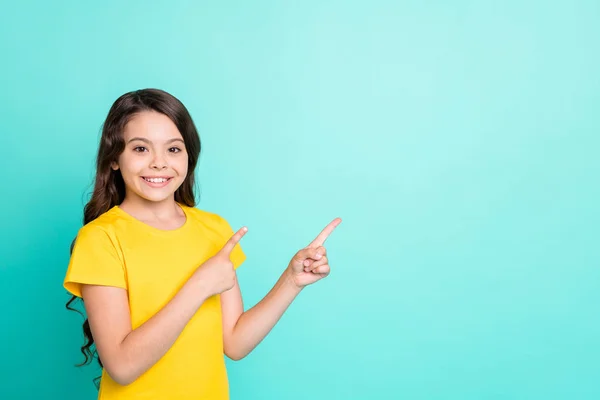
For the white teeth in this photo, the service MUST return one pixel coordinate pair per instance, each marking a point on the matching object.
(156, 180)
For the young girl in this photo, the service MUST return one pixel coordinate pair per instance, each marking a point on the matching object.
(156, 274)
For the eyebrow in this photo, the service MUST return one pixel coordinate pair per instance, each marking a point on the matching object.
(147, 141)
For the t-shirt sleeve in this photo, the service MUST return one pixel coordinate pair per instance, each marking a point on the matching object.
(95, 260)
(237, 254)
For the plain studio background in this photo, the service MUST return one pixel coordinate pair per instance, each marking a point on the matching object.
(457, 140)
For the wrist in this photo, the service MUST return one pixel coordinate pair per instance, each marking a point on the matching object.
(289, 279)
(197, 288)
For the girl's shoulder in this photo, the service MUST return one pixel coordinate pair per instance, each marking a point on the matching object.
(105, 221)
(101, 229)
(201, 214)
(207, 218)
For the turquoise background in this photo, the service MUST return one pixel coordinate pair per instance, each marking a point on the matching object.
(457, 140)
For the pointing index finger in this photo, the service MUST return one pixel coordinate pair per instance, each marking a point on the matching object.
(325, 233)
(235, 239)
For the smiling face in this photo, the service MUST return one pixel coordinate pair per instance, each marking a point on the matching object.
(154, 162)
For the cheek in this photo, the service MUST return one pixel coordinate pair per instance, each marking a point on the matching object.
(182, 167)
(131, 166)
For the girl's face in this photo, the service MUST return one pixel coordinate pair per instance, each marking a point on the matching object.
(155, 162)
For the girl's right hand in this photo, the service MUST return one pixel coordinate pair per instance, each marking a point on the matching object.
(217, 274)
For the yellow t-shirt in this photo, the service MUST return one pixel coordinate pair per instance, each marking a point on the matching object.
(152, 264)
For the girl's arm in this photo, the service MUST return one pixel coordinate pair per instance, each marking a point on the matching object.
(127, 353)
(243, 331)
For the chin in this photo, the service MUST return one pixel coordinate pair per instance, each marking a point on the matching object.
(157, 199)
(155, 196)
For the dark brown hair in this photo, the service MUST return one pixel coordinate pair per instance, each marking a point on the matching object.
(109, 187)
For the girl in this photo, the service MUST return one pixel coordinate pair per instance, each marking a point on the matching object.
(156, 274)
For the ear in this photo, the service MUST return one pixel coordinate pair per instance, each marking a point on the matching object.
(114, 165)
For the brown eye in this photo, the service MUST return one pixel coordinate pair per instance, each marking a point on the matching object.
(139, 149)
(174, 149)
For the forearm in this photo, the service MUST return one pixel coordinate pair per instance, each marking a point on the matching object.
(254, 324)
(145, 345)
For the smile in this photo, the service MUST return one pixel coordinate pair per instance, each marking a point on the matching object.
(156, 181)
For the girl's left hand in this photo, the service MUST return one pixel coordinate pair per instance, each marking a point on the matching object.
(311, 264)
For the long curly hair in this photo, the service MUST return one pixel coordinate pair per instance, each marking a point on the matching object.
(109, 187)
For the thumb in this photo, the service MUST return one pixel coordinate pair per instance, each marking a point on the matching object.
(305, 253)
(235, 239)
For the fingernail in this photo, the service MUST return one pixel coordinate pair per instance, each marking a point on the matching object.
(318, 256)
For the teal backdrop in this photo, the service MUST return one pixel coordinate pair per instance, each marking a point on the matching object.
(457, 140)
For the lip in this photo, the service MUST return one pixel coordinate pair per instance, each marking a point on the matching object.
(156, 184)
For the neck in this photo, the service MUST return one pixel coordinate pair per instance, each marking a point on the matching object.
(151, 210)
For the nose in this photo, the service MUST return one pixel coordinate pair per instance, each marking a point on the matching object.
(158, 162)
